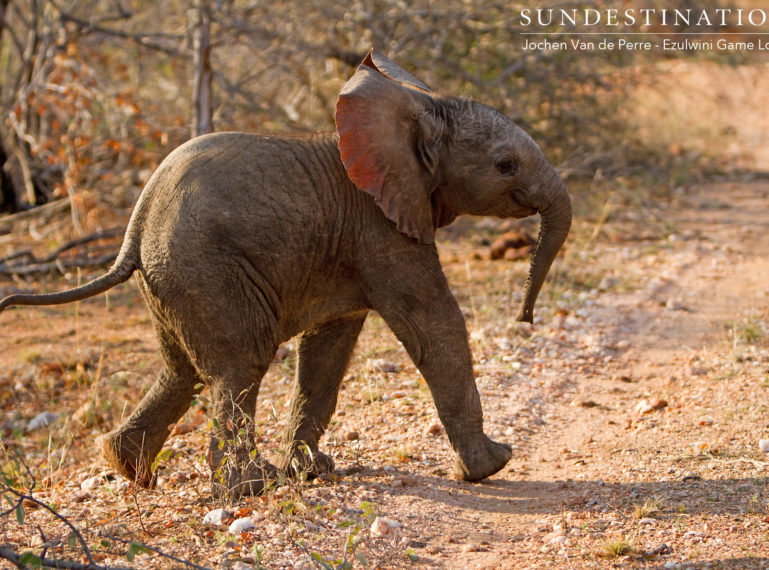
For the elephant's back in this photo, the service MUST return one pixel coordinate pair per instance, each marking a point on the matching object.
(270, 204)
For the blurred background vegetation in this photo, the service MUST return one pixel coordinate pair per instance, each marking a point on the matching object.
(94, 93)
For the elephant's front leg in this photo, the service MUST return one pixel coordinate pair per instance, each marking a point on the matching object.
(324, 353)
(420, 309)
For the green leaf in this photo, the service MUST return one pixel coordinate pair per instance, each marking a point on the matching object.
(369, 511)
(344, 566)
(72, 540)
(30, 559)
(287, 507)
(344, 524)
(20, 513)
(135, 549)
(362, 559)
(322, 561)
(105, 543)
(164, 455)
(411, 555)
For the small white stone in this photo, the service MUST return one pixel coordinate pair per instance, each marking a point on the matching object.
(673, 305)
(763, 445)
(91, 483)
(41, 421)
(240, 526)
(556, 538)
(559, 526)
(698, 448)
(607, 283)
(643, 407)
(382, 365)
(216, 517)
(384, 528)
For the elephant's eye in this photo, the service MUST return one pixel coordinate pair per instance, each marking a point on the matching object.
(506, 166)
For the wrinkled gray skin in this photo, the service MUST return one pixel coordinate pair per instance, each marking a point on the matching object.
(239, 242)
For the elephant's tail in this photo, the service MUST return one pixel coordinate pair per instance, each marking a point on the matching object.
(124, 266)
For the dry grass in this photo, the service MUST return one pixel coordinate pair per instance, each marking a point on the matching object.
(650, 508)
(615, 547)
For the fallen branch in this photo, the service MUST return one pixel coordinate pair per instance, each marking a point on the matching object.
(758, 464)
(26, 560)
(30, 559)
(62, 266)
(49, 209)
(104, 234)
(52, 262)
(156, 551)
(27, 497)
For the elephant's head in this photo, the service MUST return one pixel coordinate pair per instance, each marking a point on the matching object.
(427, 159)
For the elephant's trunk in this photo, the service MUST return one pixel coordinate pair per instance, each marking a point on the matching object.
(555, 211)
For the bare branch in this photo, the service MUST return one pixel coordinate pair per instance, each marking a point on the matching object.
(156, 551)
(45, 211)
(59, 265)
(52, 261)
(104, 234)
(157, 41)
(80, 539)
(15, 559)
(12, 557)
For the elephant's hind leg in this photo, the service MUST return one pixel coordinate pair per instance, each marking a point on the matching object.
(237, 468)
(324, 353)
(131, 448)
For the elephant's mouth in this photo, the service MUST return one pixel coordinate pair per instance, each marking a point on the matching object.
(520, 210)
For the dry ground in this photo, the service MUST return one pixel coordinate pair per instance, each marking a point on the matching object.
(661, 306)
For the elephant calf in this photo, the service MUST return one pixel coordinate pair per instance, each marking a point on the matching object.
(240, 241)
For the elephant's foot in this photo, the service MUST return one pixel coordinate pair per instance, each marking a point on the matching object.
(481, 459)
(231, 482)
(305, 460)
(129, 457)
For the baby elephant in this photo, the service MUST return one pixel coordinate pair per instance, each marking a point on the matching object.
(240, 242)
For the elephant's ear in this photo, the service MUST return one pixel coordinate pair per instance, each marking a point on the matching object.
(388, 142)
(389, 68)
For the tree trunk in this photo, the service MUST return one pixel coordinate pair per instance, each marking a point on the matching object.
(8, 201)
(203, 105)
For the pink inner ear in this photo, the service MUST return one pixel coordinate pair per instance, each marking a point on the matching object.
(355, 146)
(375, 123)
